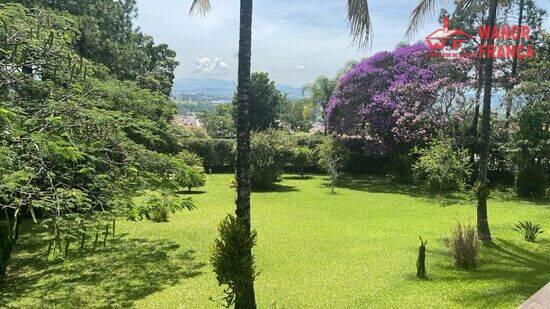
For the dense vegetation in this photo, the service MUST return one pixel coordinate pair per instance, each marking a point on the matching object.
(86, 138)
(82, 131)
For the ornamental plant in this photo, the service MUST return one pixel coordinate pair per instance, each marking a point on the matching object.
(390, 97)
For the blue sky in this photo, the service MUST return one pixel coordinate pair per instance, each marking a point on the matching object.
(293, 40)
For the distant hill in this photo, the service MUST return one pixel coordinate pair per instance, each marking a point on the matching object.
(223, 88)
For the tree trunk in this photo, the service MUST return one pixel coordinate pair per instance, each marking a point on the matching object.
(483, 191)
(247, 298)
(513, 75)
(473, 129)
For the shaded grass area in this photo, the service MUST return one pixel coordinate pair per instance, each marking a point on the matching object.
(356, 249)
(115, 276)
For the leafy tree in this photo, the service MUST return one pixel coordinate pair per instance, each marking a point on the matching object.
(221, 122)
(266, 102)
(77, 144)
(332, 156)
(391, 97)
(299, 115)
(442, 166)
(320, 91)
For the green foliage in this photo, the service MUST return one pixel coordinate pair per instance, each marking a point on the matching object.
(531, 181)
(232, 258)
(271, 151)
(158, 208)
(190, 159)
(442, 167)
(529, 230)
(464, 246)
(332, 155)
(216, 154)
(76, 143)
(191, 178)
(266, 102)
(220, 123)
(303, 157)
(300, 115)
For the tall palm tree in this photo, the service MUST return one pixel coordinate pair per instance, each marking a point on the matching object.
(359, 19)
(424, 7)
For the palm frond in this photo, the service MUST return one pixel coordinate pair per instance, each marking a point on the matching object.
(200, 7)
(421, 11)
(360, 22)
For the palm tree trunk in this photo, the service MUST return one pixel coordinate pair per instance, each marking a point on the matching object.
(483, 191)
(514, 73)
(247, 298)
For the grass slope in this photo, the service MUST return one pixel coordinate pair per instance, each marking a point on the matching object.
(357, 248)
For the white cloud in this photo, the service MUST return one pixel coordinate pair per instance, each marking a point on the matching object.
(300, 68)
(210, 67)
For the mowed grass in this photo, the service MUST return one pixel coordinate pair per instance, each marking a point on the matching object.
(355, 249)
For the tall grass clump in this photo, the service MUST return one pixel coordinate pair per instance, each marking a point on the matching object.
(464, 245)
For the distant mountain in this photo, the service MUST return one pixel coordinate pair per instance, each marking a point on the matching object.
(223, 88)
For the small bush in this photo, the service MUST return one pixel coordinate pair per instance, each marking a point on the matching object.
(158, 208)
(233, 260)
(442, 167)
(529, 230)
(464, 246)
(159, 212)
(303, 157)
(531, 181)
(271, 151)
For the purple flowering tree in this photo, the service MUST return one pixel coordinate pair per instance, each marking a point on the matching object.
(390, 98)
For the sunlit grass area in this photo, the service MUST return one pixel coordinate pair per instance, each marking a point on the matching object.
(356, 248)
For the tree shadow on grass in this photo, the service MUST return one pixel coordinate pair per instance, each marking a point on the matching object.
(379, 184)
(185, 192)
(520, 272)
(125, 271)
(276, 188)
(297, 177)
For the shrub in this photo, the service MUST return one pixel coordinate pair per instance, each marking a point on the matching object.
(194, 179)
(303, 157)
(233, 260)
(529, 230)
(271, 151)
(190, 159)
(531, 181)
(464, 246)
(218, 155)
(442, 167)
(332, 155)
(158, 208)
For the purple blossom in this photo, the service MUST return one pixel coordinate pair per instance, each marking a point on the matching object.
(392, 96)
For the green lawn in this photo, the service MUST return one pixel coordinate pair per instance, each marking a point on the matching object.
(357, 248)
